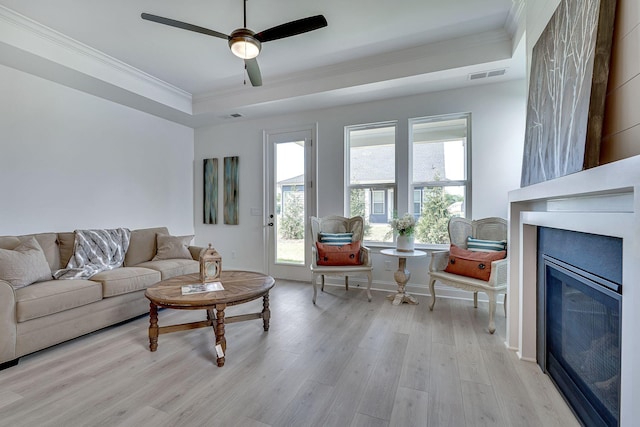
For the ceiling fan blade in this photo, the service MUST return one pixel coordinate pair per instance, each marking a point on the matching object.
(183, 25)
(253, 70)
(292, 28)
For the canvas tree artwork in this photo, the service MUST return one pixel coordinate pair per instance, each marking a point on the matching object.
(569, 73)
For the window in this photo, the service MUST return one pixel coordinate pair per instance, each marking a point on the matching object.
(440, 170)
(433, 172)
(370, 151)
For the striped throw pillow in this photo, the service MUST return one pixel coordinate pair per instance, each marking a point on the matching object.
(336, 239)
(479, 245)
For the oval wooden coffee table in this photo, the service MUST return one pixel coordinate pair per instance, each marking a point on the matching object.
(239, 287)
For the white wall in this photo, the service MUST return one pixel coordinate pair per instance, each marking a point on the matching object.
(69, 160)
(498, 116)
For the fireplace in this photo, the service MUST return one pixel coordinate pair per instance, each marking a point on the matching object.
(601, 201)
(579, 320)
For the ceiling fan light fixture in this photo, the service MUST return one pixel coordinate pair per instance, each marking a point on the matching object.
(243, 44)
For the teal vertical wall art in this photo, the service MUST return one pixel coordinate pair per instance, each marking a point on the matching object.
(231, 197)
(210, 196)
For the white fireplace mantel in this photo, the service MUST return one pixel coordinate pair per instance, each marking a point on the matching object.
(603, 200)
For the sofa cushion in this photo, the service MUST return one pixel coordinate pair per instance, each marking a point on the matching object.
(25, 264)
(9, 242)
(472, 264)
(49, 244)
(172, 247)
(47, 241)
(142, 245)
(126, 279)
(53, 296)
(66, 241)
(172, 267)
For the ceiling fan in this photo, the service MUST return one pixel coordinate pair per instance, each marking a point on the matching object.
(246, 44)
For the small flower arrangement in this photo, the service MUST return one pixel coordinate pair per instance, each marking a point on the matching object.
(404, 226)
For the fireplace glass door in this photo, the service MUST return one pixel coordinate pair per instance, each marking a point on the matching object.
(582, 318)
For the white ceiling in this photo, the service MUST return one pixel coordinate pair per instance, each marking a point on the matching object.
(371, 49)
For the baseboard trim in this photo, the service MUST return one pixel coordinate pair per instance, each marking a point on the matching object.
(9, 364)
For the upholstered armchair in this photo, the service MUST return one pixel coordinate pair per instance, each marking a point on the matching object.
(493, 229)
(336, 225)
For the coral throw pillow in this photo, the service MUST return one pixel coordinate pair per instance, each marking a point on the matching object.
(472, 264)
(338, 255)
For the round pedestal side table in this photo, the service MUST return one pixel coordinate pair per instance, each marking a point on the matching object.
(403, 275)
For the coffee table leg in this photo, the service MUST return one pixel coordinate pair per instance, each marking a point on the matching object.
(266, 313)
(153, 327)
(220, 339)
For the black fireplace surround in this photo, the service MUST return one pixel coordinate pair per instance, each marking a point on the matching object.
(579, 302)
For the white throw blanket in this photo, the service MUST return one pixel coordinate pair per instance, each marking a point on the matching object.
(95, 251)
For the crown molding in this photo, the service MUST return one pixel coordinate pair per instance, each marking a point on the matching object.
(28, 35)
(515, 23)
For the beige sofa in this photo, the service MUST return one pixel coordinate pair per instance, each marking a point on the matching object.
(52, 311)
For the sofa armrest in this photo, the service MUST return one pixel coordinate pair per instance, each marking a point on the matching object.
(439, 260)
(8, 322)
(195, 252)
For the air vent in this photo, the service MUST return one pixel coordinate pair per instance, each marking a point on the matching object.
(485, 74)
(476, 76)
(231, 116)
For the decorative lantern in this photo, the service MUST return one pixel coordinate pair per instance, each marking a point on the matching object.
(210, 265)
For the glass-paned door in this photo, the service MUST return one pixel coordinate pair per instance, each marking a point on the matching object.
(289, 189)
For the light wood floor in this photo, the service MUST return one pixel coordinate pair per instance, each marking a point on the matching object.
(343, 362)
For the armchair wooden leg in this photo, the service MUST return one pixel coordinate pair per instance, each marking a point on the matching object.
(475, 300)
(369, 280)
(492, 312)
(432, 289)
(322, 281)
(346, 282)
(314, 281)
